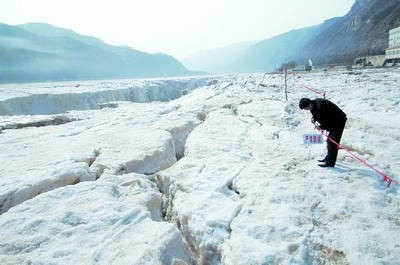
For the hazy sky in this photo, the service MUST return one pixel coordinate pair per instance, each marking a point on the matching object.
(176, 27)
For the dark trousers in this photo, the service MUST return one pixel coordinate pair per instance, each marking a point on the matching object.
(336, 135)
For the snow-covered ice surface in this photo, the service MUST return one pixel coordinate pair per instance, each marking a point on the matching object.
(217, 176)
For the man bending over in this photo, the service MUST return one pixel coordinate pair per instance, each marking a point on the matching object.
(331, 118)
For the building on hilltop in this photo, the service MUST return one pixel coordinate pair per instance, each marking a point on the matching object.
(393, 52)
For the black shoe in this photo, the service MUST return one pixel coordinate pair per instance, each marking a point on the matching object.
(326, 165)
(322, 160)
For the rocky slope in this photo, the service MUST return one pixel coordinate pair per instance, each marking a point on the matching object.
(363, 31)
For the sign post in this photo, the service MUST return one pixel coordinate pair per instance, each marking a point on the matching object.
(286, 84)
(310, 139)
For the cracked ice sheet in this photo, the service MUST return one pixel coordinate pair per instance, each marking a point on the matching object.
(293, 212)
(60, 97)
(8, 91)
(280, 181)
(136, 138)
(115, 220)
(298, 213)
(203, 204)
(298, 216)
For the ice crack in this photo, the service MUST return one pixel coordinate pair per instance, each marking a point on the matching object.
(58, 120)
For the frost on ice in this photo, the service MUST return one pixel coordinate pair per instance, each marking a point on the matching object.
(217, 176)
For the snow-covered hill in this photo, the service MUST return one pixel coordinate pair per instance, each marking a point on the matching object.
(217, 176)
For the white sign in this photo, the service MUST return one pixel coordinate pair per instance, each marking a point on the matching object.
(313, 139)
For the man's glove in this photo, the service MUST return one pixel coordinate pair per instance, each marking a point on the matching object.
(312, 120)
(318, 126)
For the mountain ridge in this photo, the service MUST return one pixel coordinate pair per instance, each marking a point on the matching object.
(42, 52)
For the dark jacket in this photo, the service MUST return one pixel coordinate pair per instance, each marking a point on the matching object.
(327, 114)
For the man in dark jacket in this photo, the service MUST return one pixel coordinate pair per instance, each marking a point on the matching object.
(331, 118)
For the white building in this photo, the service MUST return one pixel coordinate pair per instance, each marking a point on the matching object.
(393, 52)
